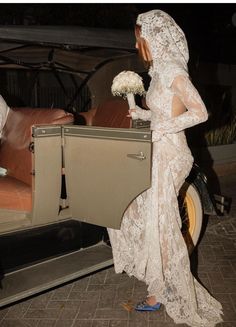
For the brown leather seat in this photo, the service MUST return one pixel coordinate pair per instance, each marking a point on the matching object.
(15, 188)
(111, 113)
(14, 194)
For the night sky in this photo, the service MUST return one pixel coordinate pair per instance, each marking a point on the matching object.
(210, 28)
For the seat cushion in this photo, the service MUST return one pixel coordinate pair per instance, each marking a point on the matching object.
(112, 113)
(14, 194)
(16, 138)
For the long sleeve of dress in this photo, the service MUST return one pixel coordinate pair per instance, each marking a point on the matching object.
(141, 113)
(196, 111)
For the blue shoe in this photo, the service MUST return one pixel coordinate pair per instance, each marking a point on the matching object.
(144, 306)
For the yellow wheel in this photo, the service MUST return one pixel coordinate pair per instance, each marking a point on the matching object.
(191, 214)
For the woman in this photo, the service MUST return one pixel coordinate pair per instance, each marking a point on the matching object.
(149, 244)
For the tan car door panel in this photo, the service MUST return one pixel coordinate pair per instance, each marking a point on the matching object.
(106, 168)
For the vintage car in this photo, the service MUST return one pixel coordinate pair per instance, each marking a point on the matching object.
(74, 160)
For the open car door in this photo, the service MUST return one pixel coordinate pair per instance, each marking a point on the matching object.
(106, 168)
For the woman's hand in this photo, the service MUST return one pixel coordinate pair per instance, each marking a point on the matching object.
(130, 112)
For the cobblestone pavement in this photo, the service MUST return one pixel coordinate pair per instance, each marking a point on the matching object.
(102, 299)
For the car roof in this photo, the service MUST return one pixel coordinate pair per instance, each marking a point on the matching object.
(69, 36)
(66, 48)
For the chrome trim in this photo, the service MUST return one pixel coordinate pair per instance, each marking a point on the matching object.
(108, 133)
(46, 130)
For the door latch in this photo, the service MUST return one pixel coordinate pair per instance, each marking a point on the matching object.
(138, 156)
(31, 147)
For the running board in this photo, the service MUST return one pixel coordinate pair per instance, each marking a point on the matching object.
(43, 276)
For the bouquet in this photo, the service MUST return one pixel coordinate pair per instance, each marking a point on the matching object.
(126, 84)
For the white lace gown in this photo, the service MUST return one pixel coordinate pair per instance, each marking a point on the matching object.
(149, 244)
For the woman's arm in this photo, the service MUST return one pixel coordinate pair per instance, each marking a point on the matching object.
(196, 111)
(139, 113)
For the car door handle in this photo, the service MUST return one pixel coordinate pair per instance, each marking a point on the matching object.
(138, 156)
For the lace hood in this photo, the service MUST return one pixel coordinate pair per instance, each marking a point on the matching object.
(166, 40)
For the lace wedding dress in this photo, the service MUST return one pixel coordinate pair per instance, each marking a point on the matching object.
(149, 244)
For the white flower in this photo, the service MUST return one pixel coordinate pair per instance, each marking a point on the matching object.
(127, 82)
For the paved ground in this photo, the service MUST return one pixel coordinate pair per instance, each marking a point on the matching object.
(99, 300)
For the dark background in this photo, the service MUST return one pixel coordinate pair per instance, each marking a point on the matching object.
(210, 28)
